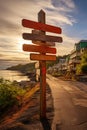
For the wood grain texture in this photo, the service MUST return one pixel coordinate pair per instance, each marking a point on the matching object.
(42, 57)
(41, 26)
(38, 37)
(39, 42)
(41, 49)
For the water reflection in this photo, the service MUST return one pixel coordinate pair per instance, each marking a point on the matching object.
(12, 75)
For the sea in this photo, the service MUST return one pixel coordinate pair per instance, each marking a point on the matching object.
(13, 75)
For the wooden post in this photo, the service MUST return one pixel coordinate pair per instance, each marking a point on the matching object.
(41, 18)
(43, 41)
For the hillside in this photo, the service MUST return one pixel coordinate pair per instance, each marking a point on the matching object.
(30, 67)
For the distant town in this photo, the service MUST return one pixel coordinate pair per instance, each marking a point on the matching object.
(71, 66)
(73, 63)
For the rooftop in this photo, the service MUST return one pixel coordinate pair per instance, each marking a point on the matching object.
(83, 41)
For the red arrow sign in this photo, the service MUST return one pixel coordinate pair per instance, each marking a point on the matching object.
(41, 26)
(41, 49)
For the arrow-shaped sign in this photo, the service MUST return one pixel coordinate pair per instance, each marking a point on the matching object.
(42, 57)
(38, 37)
(41, 49)
(41, 26)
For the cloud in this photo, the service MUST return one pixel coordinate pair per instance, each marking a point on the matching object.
(67, 46)
(14, 56)
(12, 12)
(61, 12)
(58, 13)
(8, 28)
(69, 4)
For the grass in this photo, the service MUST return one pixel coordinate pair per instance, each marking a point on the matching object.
(10, 94)
(13, 98)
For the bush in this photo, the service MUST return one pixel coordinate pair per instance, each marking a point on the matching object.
(84, 68)
(9, 94)
(78, 69)
(81, 69)
(55, 74)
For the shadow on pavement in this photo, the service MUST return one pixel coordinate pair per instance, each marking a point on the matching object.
(45, 123)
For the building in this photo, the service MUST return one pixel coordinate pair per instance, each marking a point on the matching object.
(75, 56)
(62, 65)
(69, 63)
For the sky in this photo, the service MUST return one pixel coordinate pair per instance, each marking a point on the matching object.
(69, 15)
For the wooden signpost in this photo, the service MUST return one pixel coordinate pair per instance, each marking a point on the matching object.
(42, 45)
(42, 20)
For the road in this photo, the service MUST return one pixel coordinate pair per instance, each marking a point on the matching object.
(70, 104)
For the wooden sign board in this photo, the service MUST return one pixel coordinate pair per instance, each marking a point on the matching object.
(38, 37)
(41, 49)
(42, 57)
(41, 26)
(39, 42)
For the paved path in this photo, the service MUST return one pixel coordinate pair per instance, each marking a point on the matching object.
(70, 104)
(70, 108)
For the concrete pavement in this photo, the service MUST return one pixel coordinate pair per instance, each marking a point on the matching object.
(70, 104)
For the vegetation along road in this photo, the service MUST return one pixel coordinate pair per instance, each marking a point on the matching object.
(70, 104)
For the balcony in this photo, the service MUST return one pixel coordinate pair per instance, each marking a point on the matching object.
(75, 55)
(74, 61)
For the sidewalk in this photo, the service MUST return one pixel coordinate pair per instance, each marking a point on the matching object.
(70, 104)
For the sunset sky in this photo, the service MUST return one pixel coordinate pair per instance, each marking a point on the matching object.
(70, 15)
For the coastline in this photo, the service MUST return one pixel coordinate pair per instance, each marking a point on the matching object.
(30, 109)
(25, 69)
(13, 75)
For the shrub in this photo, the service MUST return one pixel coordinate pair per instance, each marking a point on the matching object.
(78, 69)
(84, 68)
(9, 94)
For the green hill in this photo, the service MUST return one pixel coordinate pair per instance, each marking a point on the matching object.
(30, 67)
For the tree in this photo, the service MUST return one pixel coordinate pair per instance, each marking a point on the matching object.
(78, 69)
(82, 68)
(84, 58)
